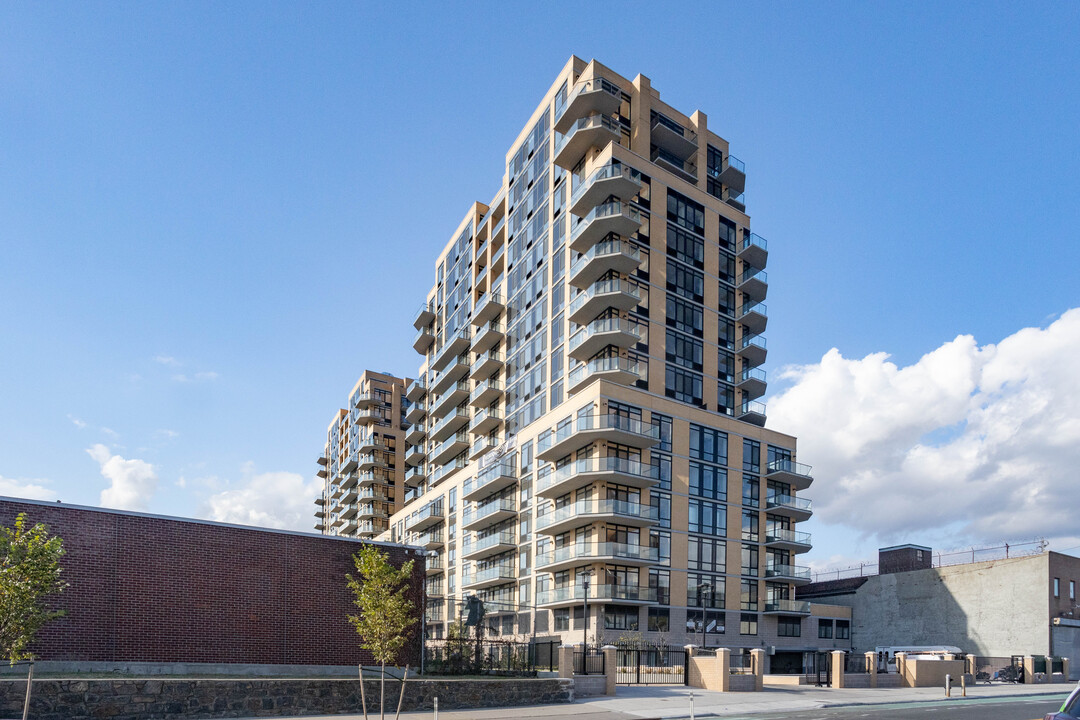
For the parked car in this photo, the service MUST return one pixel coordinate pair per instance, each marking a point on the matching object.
(1070, 709)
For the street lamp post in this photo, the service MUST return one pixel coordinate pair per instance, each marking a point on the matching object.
(704, 591)
(586, 613)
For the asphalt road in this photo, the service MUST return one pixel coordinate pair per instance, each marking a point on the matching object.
(1004, 709)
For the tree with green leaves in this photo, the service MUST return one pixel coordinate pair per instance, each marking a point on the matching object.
(385, 613)
(29, 574)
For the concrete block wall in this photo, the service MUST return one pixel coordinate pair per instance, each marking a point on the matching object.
(168, 590)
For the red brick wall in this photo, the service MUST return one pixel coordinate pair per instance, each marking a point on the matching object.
(153, 589)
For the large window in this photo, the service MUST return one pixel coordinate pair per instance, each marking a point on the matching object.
(684, 350)
(843, 629)
(788, 626)
(708, 481)
(708, 518)
(825, 629)
(685, 247)
(618, 617)
(748, 624)
(707, 554)
(683, 211)
(705, 590)
(708, 444)
(685, 316)
(685, 281)
(659, 620)
(683, 385)
(562, 619)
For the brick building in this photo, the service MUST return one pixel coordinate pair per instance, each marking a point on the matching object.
(146, 588)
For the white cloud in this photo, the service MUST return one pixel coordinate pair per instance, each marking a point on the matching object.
(275, 499)
(168, 434)
(81, 424)
(167, 360)
(980, 444)
(131, 482)
(207, 376)
(25, 488)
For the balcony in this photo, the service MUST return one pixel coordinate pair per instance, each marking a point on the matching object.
(792, 540)
(321, 473)
(752, 349)
(755, 283)
(423, 339)
(426, 517)
(415, 434)
(424, 315)
(575, 595)
(370, 528)
(735, 199)
(488, 337)
(349, 493)
(370, 510)
(488, 307)
(485, 393)
(372, 460)
(672, 137)
(599, 334)
(754, 316)
(321, 460)
(754, 250)
(489, 481)
(593, 131)
(450, 465)
(366, 400)
(366, 416)
(455, 345)
(448, 450)
(602, 295)
(350, 527)
(612, 255)
(453, 422)
(490, 513)
(489, 577)
(752, 383)
(675, 165)
(482, 446)
(795, 474)
(431, 540)
(373, 477)
(586, 512)
(579, 473)
(369, 442)
(610, 217)
(788, 573)
(751, 411)
(348, 511)
(416, 390)
(796, 508)
(415, 454)
(583, 430)
(416, 412)
(416, 475)
(486, 365)
(603, 552)
(620, 370)
(787, 607)
(622, 181)
(731, 173)
(434, 565)
(434, 590)
(433, 616)
(487, 546)
(450, 399)
(485, 421)
(457, 369)
(596, 95)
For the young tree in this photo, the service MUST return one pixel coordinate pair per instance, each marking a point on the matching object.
(29, 574)
(385, 613)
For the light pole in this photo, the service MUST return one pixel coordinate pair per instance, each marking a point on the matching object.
(704, 591)
(585, 637)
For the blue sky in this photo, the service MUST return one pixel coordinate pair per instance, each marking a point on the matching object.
(199, 201)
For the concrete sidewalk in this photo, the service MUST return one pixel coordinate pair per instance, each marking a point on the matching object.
(656, 702)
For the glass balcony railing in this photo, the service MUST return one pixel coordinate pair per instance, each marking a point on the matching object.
(621, 466)
(489, 508)
(505, 537)
(587, 423)
(753, 239)
(606, 210)
(754, 274)
(587, 551)
(759, 307)
(606, 172)
(789, 466)
(787, 571)
(789, 502)
(597, 592)
(752, 407)
(499, 572)
(602, 366)
(675, 127)
(606, 248)
(599, 327)
(590, 508)
(596, 84)
(603, 287)
(787, 606)
(752, 374)
(755, 340)
(491, 475)
(588, 123)
(778, 535)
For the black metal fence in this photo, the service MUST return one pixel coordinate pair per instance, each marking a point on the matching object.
(857, 664)
(658, 665)
(589, 661)
(467, 657)
(742, 665)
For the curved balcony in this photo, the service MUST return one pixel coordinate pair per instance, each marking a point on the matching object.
(369, 442)
(611, 255)
(489, 545)
(489, 577)
(795, 474)
(602, 295)
(486, 365)
(754, 250)
(751, 411)
(796, 574)
(752, 349)
(610, 217)
(752, 383)
(372, 460)
(485, 393)
(754, 316)
(598, 334)
(588, 132)
(579, 473)
(489, 481)
(595, 95)
(448, 450)
(488, 307)
(787, 607)
(455, 345)
(587, 429)
(755, 283)
(575, 595)
(622, 181)
(792, 540)
(613, 369)
(487, 337)
(587, 512)
(489, 513)
(416, 390)
(455, 370)
(373, 477)
(600, 552)
(450, 399)
(796, 508)
(366, 416)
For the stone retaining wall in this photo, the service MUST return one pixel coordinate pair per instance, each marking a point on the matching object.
(159, 699)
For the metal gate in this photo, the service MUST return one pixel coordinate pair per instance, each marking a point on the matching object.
(651, 666)
(819, 669)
